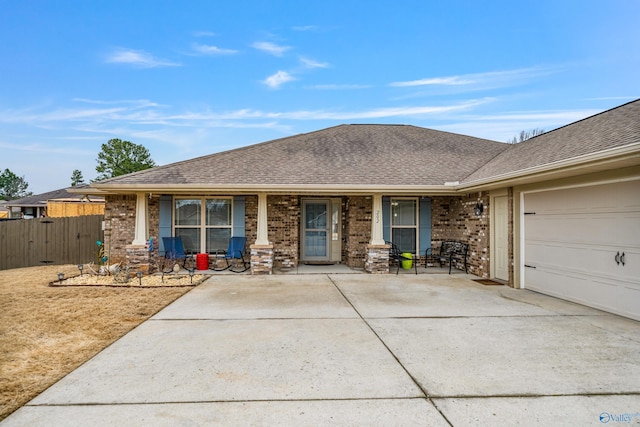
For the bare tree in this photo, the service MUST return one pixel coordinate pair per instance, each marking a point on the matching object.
(524, 135)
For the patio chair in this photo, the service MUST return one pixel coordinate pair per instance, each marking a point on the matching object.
(451, 251)
(398, 257)
(174, 254)
(233, 256)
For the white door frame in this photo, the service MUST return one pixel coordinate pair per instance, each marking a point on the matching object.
(333, 229)
(492, 234)
(500, 229)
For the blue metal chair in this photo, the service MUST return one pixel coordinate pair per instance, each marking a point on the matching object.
(233, 256)
(174, 252)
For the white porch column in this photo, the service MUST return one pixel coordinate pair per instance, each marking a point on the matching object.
(377, 237)
(140, 237)
(263, 231)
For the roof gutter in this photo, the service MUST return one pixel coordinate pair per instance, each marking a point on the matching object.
(331, 189)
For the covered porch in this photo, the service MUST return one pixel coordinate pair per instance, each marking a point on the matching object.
(273, 225)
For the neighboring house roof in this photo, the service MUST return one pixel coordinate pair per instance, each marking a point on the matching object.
(401, 157)
(40, 200)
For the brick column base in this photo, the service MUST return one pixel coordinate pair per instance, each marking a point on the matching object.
(261, 259)
(138, 258)
(377, 260)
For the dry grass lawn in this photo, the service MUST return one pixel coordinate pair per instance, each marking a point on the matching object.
(46, 332)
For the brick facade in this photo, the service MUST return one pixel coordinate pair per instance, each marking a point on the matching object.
(250, 219)
(119, 220)
(283, 217)
(453, 218)
(357, 212)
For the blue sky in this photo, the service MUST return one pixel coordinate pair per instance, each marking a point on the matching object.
(187, 79)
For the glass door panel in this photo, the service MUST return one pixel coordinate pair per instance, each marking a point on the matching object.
(315, 230)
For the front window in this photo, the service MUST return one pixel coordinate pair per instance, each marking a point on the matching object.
(404, 224)
(204, 224)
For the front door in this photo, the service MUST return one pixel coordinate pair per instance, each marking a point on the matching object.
(316, 237)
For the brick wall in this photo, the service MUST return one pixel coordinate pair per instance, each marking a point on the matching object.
(453, 218)
(251, 219)
(357, 230)
(153, 224)
(283, 217)
(119, 219)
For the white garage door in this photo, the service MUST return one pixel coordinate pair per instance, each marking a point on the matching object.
(583, 244)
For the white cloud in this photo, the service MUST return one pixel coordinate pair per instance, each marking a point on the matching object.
(455, 80)
(139, 103)
(486, 80)
(212, 50)
(40, 148)
(501, 127)
(379, 113)
(66, 114)
(310, 63)
(144, 118)
(104, 120)
(271, 48)
(248, 114)
(138, 58)
(613, 98)
(278, 79)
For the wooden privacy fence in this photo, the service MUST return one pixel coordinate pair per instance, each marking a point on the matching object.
(43, 241)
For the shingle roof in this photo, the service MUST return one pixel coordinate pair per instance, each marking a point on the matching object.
(41, 199)
(388, 155)
(342, 155)
(613, 128)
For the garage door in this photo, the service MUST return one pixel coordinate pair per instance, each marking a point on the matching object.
(583, 244)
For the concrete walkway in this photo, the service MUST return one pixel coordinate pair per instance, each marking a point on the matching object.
(426, 350)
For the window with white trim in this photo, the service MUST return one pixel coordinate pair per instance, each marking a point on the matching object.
(204, 224)
(404, 224)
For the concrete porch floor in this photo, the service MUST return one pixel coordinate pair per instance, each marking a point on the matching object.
(334, 269)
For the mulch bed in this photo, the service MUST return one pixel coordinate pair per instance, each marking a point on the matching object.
(152, 281)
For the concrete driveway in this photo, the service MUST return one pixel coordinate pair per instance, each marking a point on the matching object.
(356, 350)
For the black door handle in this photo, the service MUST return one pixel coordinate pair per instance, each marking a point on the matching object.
(622, 259)
(618, 258)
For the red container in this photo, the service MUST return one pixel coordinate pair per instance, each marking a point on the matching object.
(202, 261)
